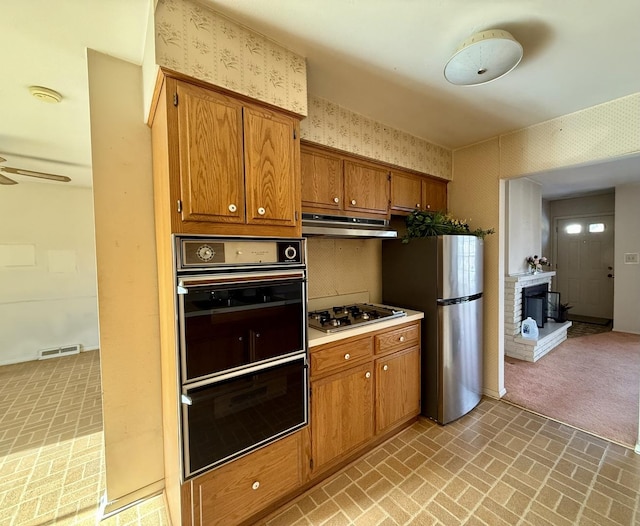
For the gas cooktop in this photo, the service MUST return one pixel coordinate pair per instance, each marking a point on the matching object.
(344, 317)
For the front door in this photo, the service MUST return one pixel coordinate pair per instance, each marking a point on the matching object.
(584, 278)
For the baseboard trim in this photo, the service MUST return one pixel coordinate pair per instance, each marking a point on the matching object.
(108, 509)
(496, 395)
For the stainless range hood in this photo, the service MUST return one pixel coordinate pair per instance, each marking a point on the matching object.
(345, 227)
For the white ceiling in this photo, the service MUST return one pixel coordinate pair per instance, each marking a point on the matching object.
(381, 58)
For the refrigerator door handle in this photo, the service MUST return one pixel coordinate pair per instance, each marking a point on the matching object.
(456, 301)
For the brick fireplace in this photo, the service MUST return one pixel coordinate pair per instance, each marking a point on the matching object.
(553, 333)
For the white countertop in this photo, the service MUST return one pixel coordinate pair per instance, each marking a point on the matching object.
(317, 337)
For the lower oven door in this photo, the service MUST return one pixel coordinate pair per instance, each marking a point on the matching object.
(239, 412)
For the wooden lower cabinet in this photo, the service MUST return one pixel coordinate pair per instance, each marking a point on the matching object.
(236, 491)
(397, 388)
(363, 390)
(341, 414)
(354, 404)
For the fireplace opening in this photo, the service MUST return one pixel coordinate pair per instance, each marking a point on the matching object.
(539, 303)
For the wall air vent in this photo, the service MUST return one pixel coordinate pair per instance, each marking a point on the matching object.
(44, 354)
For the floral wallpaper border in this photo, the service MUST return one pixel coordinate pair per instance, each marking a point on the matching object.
(199, 42)
(332, 125)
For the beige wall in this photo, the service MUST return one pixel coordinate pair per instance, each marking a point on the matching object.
(199, 42)
(476, 173)
(524, 217)
(339, 127)
(594, 134)
(627, 240)
(48, 295)
(339, 267)
(127, 280)
(598, 133)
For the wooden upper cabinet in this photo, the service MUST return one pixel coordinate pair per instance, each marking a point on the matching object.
(366, 188)
(223, 165)
(410, 192)
(434, 195)
(406, 192)
(210, 149)
(270, 170)
(322, 180)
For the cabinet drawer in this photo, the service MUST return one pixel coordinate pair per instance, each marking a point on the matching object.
(406, 336)
(341, 355)
(236, 491)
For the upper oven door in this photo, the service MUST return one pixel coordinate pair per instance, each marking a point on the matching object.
(227, 321)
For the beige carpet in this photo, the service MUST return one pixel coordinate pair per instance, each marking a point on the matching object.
(590, 382)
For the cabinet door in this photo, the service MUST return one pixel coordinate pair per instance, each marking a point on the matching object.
(210, 145)
(341, 413)
(406, 192)
(397, 387)
(321, 180)
(270, 155)
(366, 188)
(434, 195)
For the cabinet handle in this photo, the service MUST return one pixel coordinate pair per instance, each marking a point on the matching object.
(401, 338)
(347, 356)
(336, 200)
(261, 211)
(232, 207)
(353, 201)
(255, 485)
(385, 368)
(417, 205)
(367, 374)
(428, 206)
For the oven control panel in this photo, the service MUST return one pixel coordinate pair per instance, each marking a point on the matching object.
(214, 252)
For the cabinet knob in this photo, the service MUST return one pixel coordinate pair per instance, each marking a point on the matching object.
(261, 211)
(336, 200)
(367, 374)
(232, 207)
(347, 356)
(255, 485)
(385, 368)
(353, 201)
(401, 338)
(417, 205)
(428, 206)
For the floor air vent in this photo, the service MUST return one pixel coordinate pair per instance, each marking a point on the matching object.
(54, 352)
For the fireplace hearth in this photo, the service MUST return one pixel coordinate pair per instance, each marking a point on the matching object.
(551, 335)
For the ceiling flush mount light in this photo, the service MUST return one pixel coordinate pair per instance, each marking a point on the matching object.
(45, 94)
(483, 57)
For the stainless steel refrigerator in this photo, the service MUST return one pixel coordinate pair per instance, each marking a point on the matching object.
(441, 276)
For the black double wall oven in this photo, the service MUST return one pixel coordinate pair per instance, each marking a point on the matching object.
(242, 327)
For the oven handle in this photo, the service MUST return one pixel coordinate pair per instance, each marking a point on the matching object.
(235, 279)
(240, 372)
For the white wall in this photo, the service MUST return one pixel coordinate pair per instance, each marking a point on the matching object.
(47, 269)
(524, 237)
(546, 225)
(597, 204)
(626, 317)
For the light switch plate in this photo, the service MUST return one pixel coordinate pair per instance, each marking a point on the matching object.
(631, 258)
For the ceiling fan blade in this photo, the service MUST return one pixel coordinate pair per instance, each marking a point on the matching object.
(6, 180)
(40, 175)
